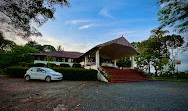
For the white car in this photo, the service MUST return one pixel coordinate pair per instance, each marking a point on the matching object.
(42, 73)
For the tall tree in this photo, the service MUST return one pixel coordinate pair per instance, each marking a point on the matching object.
(19, 15)
(5, 45)
(174, 13)
(59, 48)
(41, 48)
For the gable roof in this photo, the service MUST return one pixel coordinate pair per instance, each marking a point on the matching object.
(121, 41)
(66, 54)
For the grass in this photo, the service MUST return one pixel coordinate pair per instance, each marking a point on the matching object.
(171, 79)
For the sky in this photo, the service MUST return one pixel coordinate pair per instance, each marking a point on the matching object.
(90, 22)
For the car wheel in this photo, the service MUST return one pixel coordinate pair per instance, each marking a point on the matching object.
(48, 79)
(27, 78)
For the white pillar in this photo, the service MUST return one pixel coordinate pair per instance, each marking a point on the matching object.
(115, 64)
(132, 62)
(85, 61)
(97, 58)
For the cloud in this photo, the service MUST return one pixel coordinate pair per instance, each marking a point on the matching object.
(76, 21)
(105, 13)
(85, 26)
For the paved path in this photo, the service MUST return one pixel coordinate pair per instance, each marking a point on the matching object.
(137, 96)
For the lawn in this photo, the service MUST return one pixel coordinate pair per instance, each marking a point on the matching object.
(170, 79)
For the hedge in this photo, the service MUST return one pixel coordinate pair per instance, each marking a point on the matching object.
(76, 65)
(68, 73)
(26, 64)
(39, 65)
(64, 65)
(77, 73)
(16, 71)
(51, 65)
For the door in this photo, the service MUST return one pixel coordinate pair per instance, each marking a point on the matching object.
(41, 74)
(34, 73)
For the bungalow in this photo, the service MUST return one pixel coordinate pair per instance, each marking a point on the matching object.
(67, 57)
(101, 58)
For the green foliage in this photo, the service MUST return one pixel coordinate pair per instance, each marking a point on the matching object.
(64, 65)
(51, 65)
(109, 76)
(44, 48)
(39, 65)
(76, 65)
(156, 51)
(77, 73)
(50, 58)
(124, 62)
(5, 45)
(21, 14)
(174, 13)
(15, 55)
(16, 71)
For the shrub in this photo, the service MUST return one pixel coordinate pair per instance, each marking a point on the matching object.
(22, 63)
(76, 65)
(64, 65)
(30, 64)
(39, 65)
(51, 65)
(77, 73)
(25, 64)
(16, 71)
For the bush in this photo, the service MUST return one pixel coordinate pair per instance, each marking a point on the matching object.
(39, 65)
(77, 73)
(25, 64)
(51, 65)
(16, 71)
(68, 73)
(30, 64)
(22, 63)
(64, 65)
(76, 65)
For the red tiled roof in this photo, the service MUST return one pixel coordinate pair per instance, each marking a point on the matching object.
(66, 54)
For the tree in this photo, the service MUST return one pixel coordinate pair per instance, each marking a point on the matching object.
(124, 62)
(19, 15)
(174, 13)
(17, 54)
(175, 45)
(59, 48)
(48, 48)
(44, 48)
(5, 45)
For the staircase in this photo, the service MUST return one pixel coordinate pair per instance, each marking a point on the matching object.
(124, 75)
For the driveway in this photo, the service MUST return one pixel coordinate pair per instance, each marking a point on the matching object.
(20, 95)
(137, 96)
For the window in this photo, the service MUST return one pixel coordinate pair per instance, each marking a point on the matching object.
(34, 69)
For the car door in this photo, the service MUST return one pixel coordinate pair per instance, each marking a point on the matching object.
(41, 73)
(34, 73)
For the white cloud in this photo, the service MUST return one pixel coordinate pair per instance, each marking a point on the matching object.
(85, 26)
(105, 13)
(76, 21)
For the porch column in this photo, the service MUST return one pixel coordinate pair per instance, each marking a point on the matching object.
(132, 62)
(85, 61)
(97, 58)
(115, 64)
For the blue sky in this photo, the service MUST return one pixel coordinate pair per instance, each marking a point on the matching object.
(96, 21)
(90, 22)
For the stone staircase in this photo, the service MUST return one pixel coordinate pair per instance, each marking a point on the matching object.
(124, 75)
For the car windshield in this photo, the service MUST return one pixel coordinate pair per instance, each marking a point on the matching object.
(48, 70)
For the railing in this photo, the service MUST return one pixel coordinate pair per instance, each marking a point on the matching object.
(102, 71)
